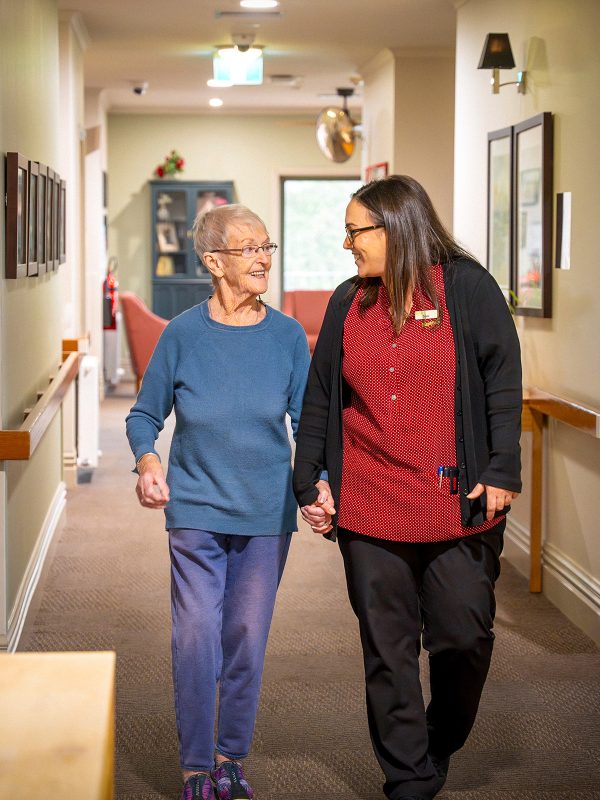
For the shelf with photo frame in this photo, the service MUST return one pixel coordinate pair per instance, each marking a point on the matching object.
(179, 278)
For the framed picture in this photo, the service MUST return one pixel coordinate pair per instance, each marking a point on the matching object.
(32, 220)
(499, 208)
(50, 220)
(56, 220)
(42, 213)
(17, 206)
(62, 223)
(532, 216)
(166, 237)
(376, 171)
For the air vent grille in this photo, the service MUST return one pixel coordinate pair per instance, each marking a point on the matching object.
(248, 14)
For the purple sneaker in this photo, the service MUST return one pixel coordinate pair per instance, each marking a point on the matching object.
(231, 783)
(198, 787)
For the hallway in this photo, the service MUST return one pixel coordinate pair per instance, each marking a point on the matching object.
(106, 586)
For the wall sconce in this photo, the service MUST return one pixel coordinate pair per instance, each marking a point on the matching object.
(497, 55)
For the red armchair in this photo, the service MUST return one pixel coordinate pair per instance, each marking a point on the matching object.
(308, 307)
(143, 329)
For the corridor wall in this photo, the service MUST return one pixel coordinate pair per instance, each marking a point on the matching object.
(32, 493)
(556, 43)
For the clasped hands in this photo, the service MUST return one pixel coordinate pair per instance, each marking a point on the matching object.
(319, 514)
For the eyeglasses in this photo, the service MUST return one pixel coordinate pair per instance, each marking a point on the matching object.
(352, 232)
(250, 250)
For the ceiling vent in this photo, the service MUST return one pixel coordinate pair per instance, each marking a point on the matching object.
(242, 15)
(293, 81)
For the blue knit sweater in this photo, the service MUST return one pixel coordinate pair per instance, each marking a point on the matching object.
(231, 387)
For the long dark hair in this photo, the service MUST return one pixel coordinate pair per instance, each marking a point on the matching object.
(416, 240)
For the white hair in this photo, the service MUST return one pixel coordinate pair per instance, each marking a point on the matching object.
(211, 230)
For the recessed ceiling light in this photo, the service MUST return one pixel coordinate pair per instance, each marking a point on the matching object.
(215, 102)
(216, 84)
(259, 3)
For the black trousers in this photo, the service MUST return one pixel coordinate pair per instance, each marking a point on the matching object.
(443, 594)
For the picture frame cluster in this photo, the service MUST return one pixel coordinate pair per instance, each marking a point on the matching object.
(35, 239)
(519, 213)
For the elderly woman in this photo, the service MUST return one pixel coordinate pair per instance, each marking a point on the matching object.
(413, 406)
(232, 368)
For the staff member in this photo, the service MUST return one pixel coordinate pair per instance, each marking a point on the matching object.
(413, 407)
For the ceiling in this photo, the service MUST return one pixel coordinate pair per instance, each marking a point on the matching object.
(325, 43)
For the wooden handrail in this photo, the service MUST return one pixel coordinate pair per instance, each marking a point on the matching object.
(538, 406)
(19, 445)
(579, 416)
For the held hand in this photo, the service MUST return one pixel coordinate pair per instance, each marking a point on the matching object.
(151, 488)
(497, 498)
(319, 514)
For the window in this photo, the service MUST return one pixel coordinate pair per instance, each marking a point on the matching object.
(313, 232)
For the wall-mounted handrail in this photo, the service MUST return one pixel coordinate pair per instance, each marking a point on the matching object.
(538, 406)
(575, 414)
(20, 444)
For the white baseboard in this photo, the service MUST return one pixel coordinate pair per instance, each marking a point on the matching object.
(18, 614)
(573, 590)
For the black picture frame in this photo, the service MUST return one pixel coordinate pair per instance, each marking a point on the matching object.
(56, 221)
(62, 223)
(17, 209)
(32, 219)
(532, 215)
(50, 220)
(500, 208)
(42, 218)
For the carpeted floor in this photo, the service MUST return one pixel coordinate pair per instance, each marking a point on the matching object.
(106, 586)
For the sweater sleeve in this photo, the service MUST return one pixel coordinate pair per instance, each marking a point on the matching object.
(154, 402)
(298, 382)
(309, 461)
(499, 361)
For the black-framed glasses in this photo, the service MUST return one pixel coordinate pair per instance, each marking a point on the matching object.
(352, 232)
(250, 250)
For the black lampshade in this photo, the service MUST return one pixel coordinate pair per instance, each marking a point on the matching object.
(497, 53)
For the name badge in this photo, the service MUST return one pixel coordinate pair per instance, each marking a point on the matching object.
(428, 313)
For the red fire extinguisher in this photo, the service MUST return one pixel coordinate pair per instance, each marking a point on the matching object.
(110, 294)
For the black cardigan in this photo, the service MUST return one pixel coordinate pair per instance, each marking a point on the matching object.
(487, 399)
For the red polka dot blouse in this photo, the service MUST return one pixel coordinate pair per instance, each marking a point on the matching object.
(399, 426)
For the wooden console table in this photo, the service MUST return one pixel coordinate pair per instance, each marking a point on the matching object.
(57, 725)
(538, 406)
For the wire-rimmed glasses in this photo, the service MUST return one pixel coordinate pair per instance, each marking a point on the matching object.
(250, 250)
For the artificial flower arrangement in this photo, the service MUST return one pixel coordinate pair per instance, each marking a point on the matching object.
(172, 164)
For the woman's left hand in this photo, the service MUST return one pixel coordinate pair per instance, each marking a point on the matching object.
(497, 499)
(319, 514)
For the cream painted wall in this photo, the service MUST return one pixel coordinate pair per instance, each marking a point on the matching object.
(378, 120)
(71, 127)
(424, 124)
(95, 258)
(408, 120)
(252, 151)
(557, 43)
(30, 308)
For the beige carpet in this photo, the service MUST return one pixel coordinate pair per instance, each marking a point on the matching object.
(107, 587)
